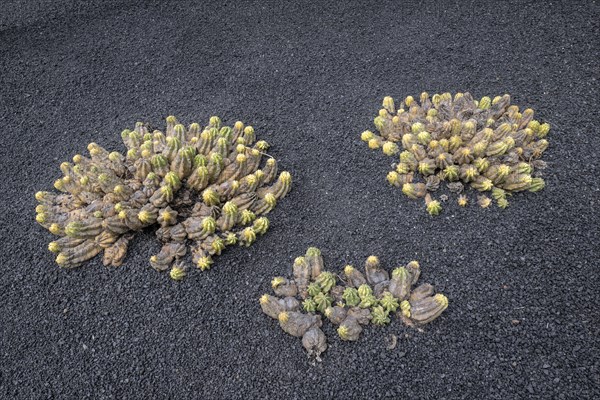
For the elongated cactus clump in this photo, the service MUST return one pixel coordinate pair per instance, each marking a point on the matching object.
(204, 189)
(351, 301)
(487, 144)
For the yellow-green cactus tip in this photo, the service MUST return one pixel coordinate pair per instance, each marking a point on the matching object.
(485, 103)
(366, 136)
(328, 311)
(41, 218)
(261, 225)
(502, 202)
(417, 127)
(264, 299)
(299, 260)
(209, 224)
(119, 189)
(390, 148)
(285, 177)
(131, 153)
(277, 281)
(262, 145)
(210, 197)
(171, 120)
(383, 113)
(537, 184)
(373, 260)
(144, 216)
(230, 208)
(230, 239)
(348, 269)
(248, 236)
(240, 148)
(121, 215)
(61, 259)
(165, 216)
(251, 179)
(240, 158)
(400, 271)
(271, 161)
(462, 200)
(177, 273)
(441, 300)
(405, 307)
(424, 137)
(365, 290)
(54, 229)
(343, 332)
(103, 177)
(434, 207)
(283, 317)
(54, 247)
(392, 177)
(374, 144)
(270, 199)
(534, 126)
(39, 196)
(204, 263)
(313, 252)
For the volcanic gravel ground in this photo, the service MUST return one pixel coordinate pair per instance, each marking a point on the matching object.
(523, 320)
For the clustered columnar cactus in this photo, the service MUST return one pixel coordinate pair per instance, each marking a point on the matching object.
(355, 301)
(204, 189)
(487, 144)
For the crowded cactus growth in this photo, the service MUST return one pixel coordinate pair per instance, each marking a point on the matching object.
(350, 300)
(203, 189)
(488, 145)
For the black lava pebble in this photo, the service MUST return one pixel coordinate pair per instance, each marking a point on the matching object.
(523, 320)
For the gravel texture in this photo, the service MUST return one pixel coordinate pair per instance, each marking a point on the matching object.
(524, 319)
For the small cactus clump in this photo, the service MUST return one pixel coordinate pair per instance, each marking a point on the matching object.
(487, 144)
(351, 301)
(204, 188)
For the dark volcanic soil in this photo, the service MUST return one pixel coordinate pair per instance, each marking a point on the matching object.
(309, 78)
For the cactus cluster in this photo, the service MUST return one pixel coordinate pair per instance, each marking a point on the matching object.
(487, 144)
(203, 188)
(350, 301)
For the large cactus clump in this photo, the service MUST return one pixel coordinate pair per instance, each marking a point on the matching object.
(488, 144)
(205, 189)
(352, 301)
